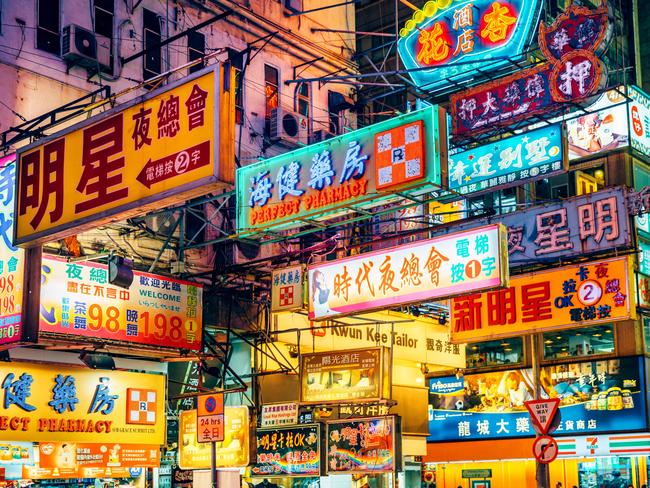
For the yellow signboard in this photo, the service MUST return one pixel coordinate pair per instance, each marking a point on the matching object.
(233, 452)
(44, 403)
(162, 147)
(582, 294)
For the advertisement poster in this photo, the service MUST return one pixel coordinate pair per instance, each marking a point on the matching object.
(287, 285)
(233, 452)
(595, 396)
(77, 300)
(156, 148)
(69, 404)
(639, 114)
(429, 269)
(70, 455)
(344, 375)
(12, 261)
(508, 162)
(603, 129)
(365, 166)
(13, 455)
(590, 293)
(288, 451)
(369, 445)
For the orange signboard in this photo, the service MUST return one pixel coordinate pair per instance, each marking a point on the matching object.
(161, 147)
(582, 294)
(209, 417)
(70, 455)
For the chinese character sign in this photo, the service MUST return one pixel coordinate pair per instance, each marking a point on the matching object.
(370, 445)
(158, 148)
(595, 396)
(279, 414)
(77, 456)
(431, 269)
(589, 293)
(508, 162)
(233, 452)
(462, 37)
(43, 404)
(639, 115)
(78, 300)
(362, 166)
(288, 451)
(11, 258)
(287, 286)
(572, 72)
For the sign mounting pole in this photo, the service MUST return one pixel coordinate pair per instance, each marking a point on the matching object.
(542, 475)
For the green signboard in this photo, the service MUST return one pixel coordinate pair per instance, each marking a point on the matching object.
(477, 473)
(354, 170)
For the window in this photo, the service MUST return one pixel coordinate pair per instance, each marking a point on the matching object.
(104, 15)
(495, 353)
(606, 471)
(585, 341)
(48, 31)
(152, 36)
(271, 95)
(302, 99)
(501, 201)
(196, 49)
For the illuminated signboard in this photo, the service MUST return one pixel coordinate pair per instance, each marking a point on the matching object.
(76, 456)
(159, 149)
(508, 162)
(575, 226)
(344, 375)
(607, 395)
(66, 404)
(584, 294)
(233, 452)
(287, 285)
(370, 445)
(643, 290)
(639, 114)
(288, 451)
(77, 300)
(13, 456)
(604, 445)
(12, 261)
(459, 38)
(365, 165)
(602, 129)
(279, 414)
(573, 72)
(422, 270)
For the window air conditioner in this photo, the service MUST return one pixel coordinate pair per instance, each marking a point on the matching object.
(288, 127)
(83, 47)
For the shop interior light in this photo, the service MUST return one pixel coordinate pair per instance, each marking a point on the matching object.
(96, 360)
(548, 341)
(598, 334)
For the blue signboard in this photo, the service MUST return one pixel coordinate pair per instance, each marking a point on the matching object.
(596, 397)
(508, 162)
(457, 40)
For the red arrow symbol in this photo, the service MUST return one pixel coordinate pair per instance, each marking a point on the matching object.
(175, 164)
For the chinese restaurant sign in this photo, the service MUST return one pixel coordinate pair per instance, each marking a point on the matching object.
(436, 268)
(607, 395)
(639, 115)
(589, 293)
(233, 452)
(279, 414)
(415, 339)
(353, 374)
(293, 451)
(575, 226)
(287, 286)
(365, 165)
(12, 261)
(457, 40)
(572, 72)
(77, 300)
(508, 162)
(370, 445)
(161, 147)
(45, 404)
(76, 456)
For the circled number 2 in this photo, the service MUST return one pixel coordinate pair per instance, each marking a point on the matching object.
(590, 292)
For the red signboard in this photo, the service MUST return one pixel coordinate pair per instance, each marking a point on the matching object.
(542, 412)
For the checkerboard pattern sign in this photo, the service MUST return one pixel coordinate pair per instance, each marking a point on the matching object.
(399, 155)
(141, 406)
(286, 296)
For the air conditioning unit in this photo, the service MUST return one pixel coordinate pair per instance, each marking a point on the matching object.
(288, 127)
(244, 253)
(320, 136)
(293, 6)
(83, 47)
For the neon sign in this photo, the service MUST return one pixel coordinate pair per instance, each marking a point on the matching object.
(573, 72)
(455, 38)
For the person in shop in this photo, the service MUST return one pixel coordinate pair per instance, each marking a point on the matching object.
(514, 388)
(616, 481)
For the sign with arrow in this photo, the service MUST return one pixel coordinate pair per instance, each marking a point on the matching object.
(542, 412)
(545, 449)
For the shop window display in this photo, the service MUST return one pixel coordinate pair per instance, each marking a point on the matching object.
(495, 353)
(586, 341)
(612, 472)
